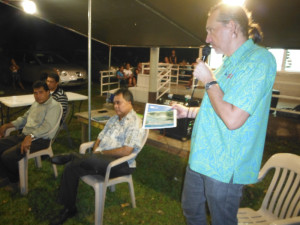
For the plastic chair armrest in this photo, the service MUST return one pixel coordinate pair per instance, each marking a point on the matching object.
(84, 146)
(9, 130)
(288, 221)
(121, 160)
(117, 162)
(262, 173)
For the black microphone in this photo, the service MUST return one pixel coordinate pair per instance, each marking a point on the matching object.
(205, 53)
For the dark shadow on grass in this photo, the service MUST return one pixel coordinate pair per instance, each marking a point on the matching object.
(43, 203)
(160, 171)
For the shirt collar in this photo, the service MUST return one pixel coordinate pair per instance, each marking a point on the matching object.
(237, 55)
(127, 116)
(46, 102)
(56, 90)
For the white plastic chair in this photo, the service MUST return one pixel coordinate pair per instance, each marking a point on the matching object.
(281, 204)
(64, 126)
(100, 183)
(23, 163)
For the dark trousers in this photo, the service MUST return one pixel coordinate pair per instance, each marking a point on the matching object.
(10, 154)
(223, 199)
(74, 170)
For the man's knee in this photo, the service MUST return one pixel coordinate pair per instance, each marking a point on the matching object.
(12, 154)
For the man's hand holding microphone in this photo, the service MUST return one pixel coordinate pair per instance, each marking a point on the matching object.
(203, 73)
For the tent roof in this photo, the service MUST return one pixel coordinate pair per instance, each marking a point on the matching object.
(165, 23)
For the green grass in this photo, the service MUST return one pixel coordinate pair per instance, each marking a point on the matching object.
(157, 181)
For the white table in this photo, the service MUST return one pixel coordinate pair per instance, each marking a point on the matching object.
(27, 100)
(83, 118)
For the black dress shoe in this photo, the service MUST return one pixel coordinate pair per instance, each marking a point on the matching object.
(65, 214)
(61, 159)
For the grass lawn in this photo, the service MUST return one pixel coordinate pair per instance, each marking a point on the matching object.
(157, 181)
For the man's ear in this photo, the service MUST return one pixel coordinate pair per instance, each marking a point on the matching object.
(232, 26)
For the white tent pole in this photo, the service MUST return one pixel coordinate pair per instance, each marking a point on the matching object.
(154, 60)
(109, 58)
(109, 64)
(89, 64)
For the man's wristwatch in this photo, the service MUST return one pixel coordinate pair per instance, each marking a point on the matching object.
(209, 84)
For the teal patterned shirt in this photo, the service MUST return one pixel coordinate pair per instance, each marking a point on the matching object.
(246, 78)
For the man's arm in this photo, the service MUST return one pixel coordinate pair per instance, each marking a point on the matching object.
(18, 123)
(232, 116)
(26, 143)
(4, 127)
(21, 121)
(118, 152)
(48, 122)
(96, 144)
(185, 112)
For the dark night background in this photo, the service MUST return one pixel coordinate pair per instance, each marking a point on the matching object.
(20, 31)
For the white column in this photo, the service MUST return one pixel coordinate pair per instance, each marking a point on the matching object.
(154, 60)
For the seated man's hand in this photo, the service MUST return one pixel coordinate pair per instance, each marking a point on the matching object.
(26, 143)
(3, 128)
(2, 131)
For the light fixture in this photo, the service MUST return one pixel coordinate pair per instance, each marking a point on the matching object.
(29, 6)
(234, 2)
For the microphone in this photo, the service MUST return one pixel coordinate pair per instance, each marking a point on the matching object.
(205, 53)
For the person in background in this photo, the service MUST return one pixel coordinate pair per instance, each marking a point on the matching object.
(128, 73)
(137, 71)
(121, 136)
(230, 128)
(57, 93)
(166, 60)
(14, 69)
(37, 122)
(173, 57)
(123, 79)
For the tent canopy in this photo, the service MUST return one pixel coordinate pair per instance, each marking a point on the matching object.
(165, 23)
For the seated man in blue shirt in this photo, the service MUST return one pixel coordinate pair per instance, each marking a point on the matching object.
(41, 118)
(123, 78)
(121, 136)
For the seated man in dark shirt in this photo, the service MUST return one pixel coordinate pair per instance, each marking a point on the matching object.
(57, 93)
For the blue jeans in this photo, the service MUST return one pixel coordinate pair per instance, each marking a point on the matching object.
(223, 199)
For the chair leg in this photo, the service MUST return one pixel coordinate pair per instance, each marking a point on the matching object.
(100, 193)
(38, 162)
(54, 170)
(50, 154)
(131, 189)
(65, 127)
(23, 173)
(112, 188)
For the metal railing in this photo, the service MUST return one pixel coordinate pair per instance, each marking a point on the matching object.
(108, 81)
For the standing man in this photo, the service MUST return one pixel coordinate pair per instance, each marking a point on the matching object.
(121, 136)
(230, 127)
(15, 73)
(57, 93)
(173, 57)
(37, 122)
